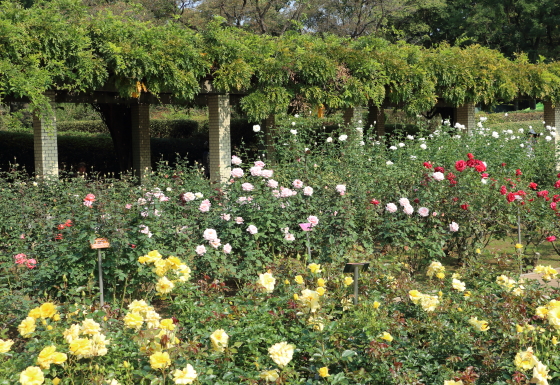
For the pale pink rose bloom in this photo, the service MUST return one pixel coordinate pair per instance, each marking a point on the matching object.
(215, 243)
(128, 206)
(286, 192)
(294, 192)
(142, 201)
(239, 220)
(163, 198)
(306, 226)
(227, 248)
(267, 173)
(453, 227)
(188, 196)
(242, 200)
(391, 207)
(144, 214)
(247, 187)
(341, 189)
(235, 160)
(282, 205)
(260, 163)
(157, 213)
(313, 220)
(276, 193)
(200, 250)
(225, 217)
(289, 237)
(423, 211)
(22, 236)
(204, 206)
(408, 209)
(308, 191)
(404, 202)
(252, 229)
(297, 183)
(438, 176)
(237, 172)
(20, 258)
(256, 171)
(210, 234)
(88, 203)
(286, 230)
(31, 263)
(434, 214)
(272, 183)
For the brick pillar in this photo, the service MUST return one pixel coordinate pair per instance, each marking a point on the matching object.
(465, 115)
(552, 119)
(45, 142)
(220, 141)
(269, 135)
(141, 152)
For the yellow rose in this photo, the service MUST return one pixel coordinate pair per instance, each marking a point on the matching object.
(269, 375)
(298, 279)
(219, 340)
(481, 325)
(434, 269)
(72, 333)
(281, 353)
(5, 345)
(296, 297)
(185, 376)
(478, 251)
(90, 327)
(160, 360)
(152, 319)
(321, 282)
(174, 263)
(32, 376)
(185, 272)
(161, 267)
(133, 320)
(310, 299)
(99, 345)
(167, 324)
(324, 372)
(48, 310)
(80, 347)
(518, 246)
(35, 313)
(315, 268)
(458, 285)
(525, 360)
(386, 336)
(376, 305)
(56, 381)
(164, 285)
(267, 281)
(451, 382)
(348, 281)
(138, 306)
(27, 327)
(440, 275)
(415, 296)
(320, 291)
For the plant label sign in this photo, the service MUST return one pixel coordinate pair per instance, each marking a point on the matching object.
(100, 243)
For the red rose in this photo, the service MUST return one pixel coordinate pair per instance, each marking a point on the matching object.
(374, 202)
(553, 205)
(452, 182)
(450, 176)
(416, 200)
(503, 165)
(518, 172)
(439, 169)
(58, 237)
(470, 156)
(427, 165)
(542, 194)
(533, 185)
(472, 162)
(510, 197)
(465, 206)
(552, 238)
(503, 190)
(556, 198)
(455, 199)
(68, 223)
(460, 165)
(557, 184)
(61, 227)
(480, 167)
(484, 175)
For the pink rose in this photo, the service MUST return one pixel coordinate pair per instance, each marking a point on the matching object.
(423, 211)
(289, 237)
(297, 183)
(404, 202)
(225, 217)
(227, 248)
(247, 187)
(408, 209)
(215, 243)
(236, 160)
(31, 263)
(341, 189)
(454, 227)
(239, 220)
(20, 259)
(200, 250)
(237, 172)
(552, 238)
(252, 229)
(391, 207)
(286, 192)
(90, 197)
(308, 191)
(128, 206)
(313, 220)
(267, 173)
(88, 203)
(272, 183)
(438, 176)
(259, 163)
(210, 234)
(256, 171)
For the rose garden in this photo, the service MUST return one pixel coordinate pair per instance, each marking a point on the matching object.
(242, 280)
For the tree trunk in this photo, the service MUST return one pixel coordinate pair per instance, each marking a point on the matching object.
(118, 119)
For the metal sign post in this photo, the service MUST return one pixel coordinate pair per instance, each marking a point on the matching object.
(355, 267)
(100, 243)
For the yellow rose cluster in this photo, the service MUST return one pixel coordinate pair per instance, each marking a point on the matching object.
(437, 269)
(510, 285)
(219, 340)
(526, 360)
(45, 312)
(267, 281)
(164, 266)
(428, 302)
(281, 353)
(550, 312)
(548, 272)
(86, 340)
(481, 325)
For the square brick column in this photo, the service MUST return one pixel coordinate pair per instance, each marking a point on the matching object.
(552, 119)
(348, 116)
(465, 115)
(45, 142)
(269, 136)
(219, 113)
(141, 151)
